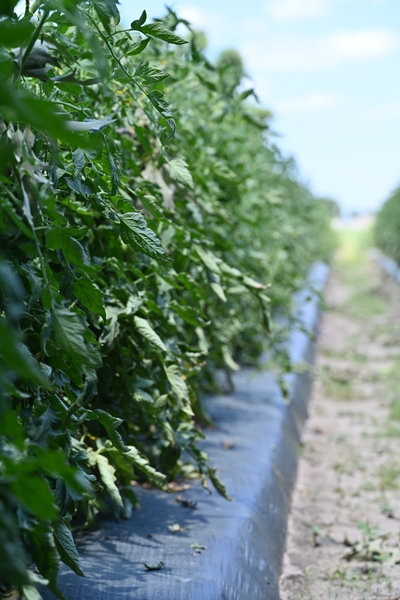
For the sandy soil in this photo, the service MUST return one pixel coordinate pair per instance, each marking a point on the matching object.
(344, 530)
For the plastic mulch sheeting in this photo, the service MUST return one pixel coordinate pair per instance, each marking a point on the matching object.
(221, 550)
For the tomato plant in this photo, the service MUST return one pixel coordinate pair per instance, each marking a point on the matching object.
(150, 230)
(387, 227)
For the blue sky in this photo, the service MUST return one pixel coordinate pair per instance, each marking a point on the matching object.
(330, 72)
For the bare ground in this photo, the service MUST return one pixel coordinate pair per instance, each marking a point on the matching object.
(347, 499)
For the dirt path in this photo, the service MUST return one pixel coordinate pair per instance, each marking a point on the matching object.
(347, 489)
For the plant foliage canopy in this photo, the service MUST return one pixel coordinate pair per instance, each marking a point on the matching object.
(149, 231)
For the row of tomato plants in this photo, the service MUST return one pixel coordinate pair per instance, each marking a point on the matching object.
(387, 226)
(151, 234)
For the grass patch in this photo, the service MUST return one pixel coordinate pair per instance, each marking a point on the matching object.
(368, 487)
(328, 352)
(358, 357)
(340, 389)
(364, 303)
(392, 385)
(354, 271)
(388, 476)
(391, 431)
(337, 385)
(395, 411)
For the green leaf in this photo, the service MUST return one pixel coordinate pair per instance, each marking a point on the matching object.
(218, 290)
(247, 93)
(145, 329)
(189, 314)
(110, 424)
(90, 296)
(178, 170)
(69, 333)
(150, 204)
(178, 386)
(7, 7)
(17, 356)
(106, 9)
(60, 238)
(134, 231)
(157, 30)
(252, 283)
(222, 171)
(66, 547)
(34, 492)
(209, 259)
(158, 101)
(140, 21)
(142, 396)
(217, 483)
(138, 47)
(15, 33)
(150, 74)
(21, 105)
(45, 555)
(228, 359)
(79, 160)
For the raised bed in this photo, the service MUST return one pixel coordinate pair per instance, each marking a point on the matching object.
(224, 550)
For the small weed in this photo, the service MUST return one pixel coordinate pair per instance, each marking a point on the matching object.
(316, 533)
(368, 487)
(387, 509)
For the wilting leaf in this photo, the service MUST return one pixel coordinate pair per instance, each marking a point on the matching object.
(107, 474)
(217, 483)
(142, 463)
(156, 567)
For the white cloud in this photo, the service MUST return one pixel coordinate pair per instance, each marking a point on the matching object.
(287, 10)
(316, 101)
(295, 53)
(354, 45)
